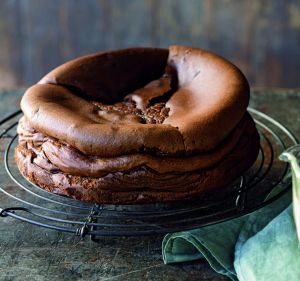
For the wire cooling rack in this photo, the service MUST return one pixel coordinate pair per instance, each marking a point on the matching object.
(267, 180)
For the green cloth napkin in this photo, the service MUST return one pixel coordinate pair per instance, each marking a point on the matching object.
(260, 246)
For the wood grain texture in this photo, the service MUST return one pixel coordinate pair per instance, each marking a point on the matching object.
(261, 37)
(10, 39)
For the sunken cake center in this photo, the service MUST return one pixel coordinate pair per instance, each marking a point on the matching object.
(146, 105)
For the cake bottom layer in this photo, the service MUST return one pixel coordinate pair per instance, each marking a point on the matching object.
(143, 185)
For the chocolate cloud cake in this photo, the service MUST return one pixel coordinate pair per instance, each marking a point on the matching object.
(137, 125)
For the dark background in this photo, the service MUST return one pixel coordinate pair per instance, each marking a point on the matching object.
(262, 37)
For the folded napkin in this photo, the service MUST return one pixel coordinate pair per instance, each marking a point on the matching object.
(260, 246)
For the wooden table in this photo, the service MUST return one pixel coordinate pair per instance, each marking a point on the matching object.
(32, 253)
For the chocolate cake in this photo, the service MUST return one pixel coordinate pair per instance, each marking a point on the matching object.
(137, 125)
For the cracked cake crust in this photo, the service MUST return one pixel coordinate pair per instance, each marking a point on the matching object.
(210, 93)
(139, 184)
(137, 125)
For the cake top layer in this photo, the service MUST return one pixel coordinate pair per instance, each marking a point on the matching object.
(177, 101)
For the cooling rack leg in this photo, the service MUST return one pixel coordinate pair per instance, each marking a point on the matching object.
(89, 228)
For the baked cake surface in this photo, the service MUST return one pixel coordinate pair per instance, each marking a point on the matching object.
(137, 125)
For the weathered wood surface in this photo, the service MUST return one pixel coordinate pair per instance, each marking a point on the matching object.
(32, 253)
(261, 37)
